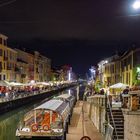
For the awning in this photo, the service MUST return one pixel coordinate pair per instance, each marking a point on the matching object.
(119, 86)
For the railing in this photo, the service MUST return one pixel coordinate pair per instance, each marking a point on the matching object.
(98, 100)
(109, 106)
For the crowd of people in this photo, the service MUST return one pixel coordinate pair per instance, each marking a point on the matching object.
(11, 93)
(14, 92)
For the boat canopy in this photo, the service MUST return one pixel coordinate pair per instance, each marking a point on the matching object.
(65, 96)
(54, 105)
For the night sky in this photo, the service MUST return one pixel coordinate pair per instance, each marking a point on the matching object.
(75, 32)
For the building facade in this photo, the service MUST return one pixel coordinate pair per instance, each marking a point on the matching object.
(32, 66)
(124, 68)
(21, 66)
(8, 60)
(42, 67)
(130, 67)
(112, 70)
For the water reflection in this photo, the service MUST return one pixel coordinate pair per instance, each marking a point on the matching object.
(9, 122)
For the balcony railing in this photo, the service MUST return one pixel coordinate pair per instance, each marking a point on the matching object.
(98, 100)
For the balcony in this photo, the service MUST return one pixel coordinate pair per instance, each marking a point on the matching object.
(22, 61)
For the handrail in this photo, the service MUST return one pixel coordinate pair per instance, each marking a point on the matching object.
(110, 109)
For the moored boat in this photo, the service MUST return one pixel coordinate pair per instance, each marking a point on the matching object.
(49, 120)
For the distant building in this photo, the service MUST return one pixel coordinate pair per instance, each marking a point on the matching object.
(67, 74)
(55, 74)
(42, 67)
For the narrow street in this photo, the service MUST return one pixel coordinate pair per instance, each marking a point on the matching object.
(76, 126)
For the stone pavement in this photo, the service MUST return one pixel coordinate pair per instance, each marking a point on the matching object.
(77, 123)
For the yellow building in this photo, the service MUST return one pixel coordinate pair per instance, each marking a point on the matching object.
(8, 59)
(124, 69)
(127, 67)
(111, 74)
(21, 66)
(130, 67)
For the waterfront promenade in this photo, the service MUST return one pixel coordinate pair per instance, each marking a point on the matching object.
(78, 122)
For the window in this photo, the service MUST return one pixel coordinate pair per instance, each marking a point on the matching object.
(5, 42)
(0, 65)
(136, 59)
(10, 55)
(4, 54)
(4, 66)
(0, 40)
(0, 52)
(4, 77)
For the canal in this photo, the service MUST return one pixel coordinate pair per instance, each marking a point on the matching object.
(10, 120)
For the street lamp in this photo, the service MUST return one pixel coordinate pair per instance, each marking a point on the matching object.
(69, 76)
(136, 4)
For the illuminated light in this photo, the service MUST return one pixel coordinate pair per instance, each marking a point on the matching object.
(69, 92)
(138, 69)
(136, 5)
(32, 81)
(92, 70)
(106, 61)
(69, 76)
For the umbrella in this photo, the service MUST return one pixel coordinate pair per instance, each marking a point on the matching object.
(4, 83)
(119, 86)
(16, 84)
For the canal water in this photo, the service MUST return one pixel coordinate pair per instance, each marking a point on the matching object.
(10, 120)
